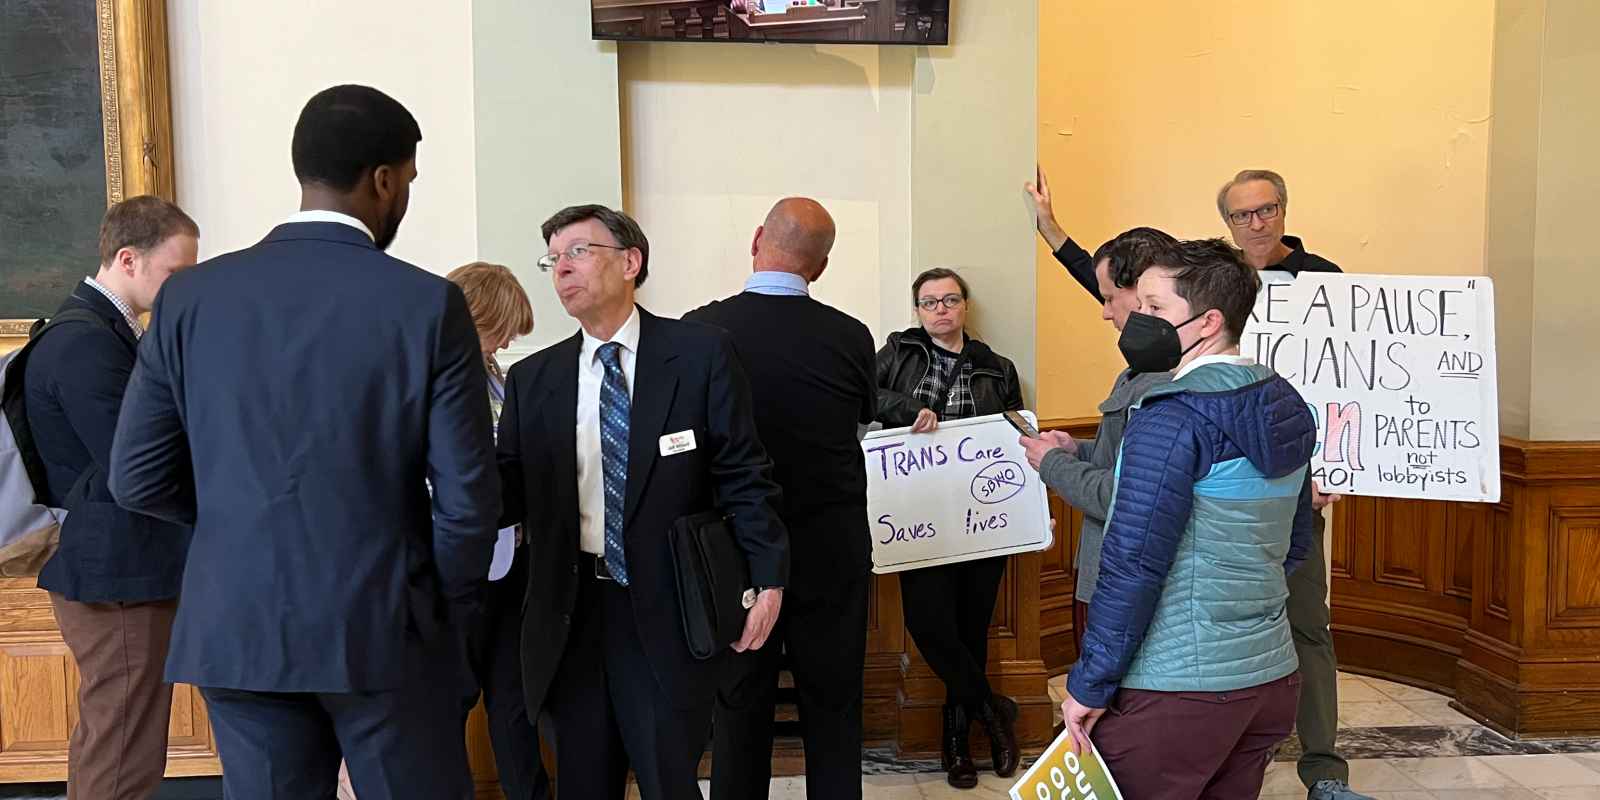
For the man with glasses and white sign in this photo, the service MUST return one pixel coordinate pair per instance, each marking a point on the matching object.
(1254, 205)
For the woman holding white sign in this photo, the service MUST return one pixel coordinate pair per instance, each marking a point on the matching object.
(926, 374)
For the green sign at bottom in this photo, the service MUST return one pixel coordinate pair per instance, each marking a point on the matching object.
(1061, 774)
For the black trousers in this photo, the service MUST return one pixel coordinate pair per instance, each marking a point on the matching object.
(399, 745)
(947, 610)
(494, 668)
(608, 712)
(823, 629)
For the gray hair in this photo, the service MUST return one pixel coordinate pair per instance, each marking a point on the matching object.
(1252, 175)
(627, 232)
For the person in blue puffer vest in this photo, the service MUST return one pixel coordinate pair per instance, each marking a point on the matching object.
(1188, 677)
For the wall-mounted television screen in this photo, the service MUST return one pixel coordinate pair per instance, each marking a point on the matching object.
(917, 22)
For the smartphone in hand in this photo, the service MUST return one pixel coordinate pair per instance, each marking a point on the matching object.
(1021, 424)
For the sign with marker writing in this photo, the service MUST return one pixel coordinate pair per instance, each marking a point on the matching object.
(1399, 371)
(1064, 774)
(963, 492)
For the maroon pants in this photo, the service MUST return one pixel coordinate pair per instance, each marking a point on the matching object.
(1195, 745)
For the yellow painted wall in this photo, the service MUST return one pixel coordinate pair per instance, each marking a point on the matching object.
(1376, 113)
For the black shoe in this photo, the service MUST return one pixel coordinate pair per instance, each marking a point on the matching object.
(956, 755)
(999, 717)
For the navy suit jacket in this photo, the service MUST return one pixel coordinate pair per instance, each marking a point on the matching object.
(686, 377)
(74, 380)
(292, 400)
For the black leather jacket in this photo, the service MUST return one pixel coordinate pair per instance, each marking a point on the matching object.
(904, 360)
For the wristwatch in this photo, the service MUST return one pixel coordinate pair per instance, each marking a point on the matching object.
(749, 600)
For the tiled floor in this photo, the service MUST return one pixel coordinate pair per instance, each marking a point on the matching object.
(1403, 744)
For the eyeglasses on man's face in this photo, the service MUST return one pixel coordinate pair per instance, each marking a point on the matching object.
(581, 251)
(949, 301)
(1267, 212)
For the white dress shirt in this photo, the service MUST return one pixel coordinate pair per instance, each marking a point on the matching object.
(318, 215)
(591, 475)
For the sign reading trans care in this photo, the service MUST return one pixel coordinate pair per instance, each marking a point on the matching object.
(1399, 372)
(962, 492)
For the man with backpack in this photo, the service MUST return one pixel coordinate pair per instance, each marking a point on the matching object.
(114, 580)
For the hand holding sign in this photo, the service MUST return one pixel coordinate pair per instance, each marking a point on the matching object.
(1080, 721)
(1067, 773)
(961, 492)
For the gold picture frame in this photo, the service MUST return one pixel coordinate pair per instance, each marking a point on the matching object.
(136, 109)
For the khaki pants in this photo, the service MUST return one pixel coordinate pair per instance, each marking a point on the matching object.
(1318, 718)
(118, 749)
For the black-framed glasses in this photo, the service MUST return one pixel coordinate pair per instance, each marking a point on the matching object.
(578, 252)
(949, 301)
(1267, 212)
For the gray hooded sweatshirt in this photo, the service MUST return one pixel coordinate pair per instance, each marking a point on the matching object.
(1086, 480)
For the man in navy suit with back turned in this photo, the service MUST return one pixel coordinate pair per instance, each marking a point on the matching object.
(293, 401)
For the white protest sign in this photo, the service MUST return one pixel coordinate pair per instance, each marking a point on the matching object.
(962, 492)
(1399, 371)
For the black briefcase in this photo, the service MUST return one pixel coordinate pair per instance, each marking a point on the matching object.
(712, 575)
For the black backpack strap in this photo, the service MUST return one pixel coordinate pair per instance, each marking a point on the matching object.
(12, 402)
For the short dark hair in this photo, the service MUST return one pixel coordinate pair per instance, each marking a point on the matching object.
(142, 223)
(346, 131)
(1132, 252)
(938, 274)
(623, 227)
(1212, 275)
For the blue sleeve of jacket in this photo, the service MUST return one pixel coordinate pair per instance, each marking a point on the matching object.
(1303, 535)
(461, 458)
(1161, 455)
(152, 472)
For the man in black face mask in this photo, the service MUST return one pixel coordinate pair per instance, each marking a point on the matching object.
(291, 401)
(1080, 471)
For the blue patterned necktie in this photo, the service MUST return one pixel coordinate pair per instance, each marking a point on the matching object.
(614, 455)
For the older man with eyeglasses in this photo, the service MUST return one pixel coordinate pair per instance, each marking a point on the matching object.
(1254, 205)
(607, 439)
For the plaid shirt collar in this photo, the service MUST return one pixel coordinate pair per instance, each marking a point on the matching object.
(127, 312)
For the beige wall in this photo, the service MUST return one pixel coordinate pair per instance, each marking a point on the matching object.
(973, 133)
(919, 153)
(1565, 375)
(241, 72)
(1513, 200)
(1145, 109)
(713, 134)
(547, 136)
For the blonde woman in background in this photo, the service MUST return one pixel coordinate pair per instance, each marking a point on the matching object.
(501, 312)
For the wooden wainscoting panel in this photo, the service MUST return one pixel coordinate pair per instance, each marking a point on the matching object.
(1464, 523)
(1574, 568)
(1401, 544)
(1058, 572)
(38, 690)
(1530, 663)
